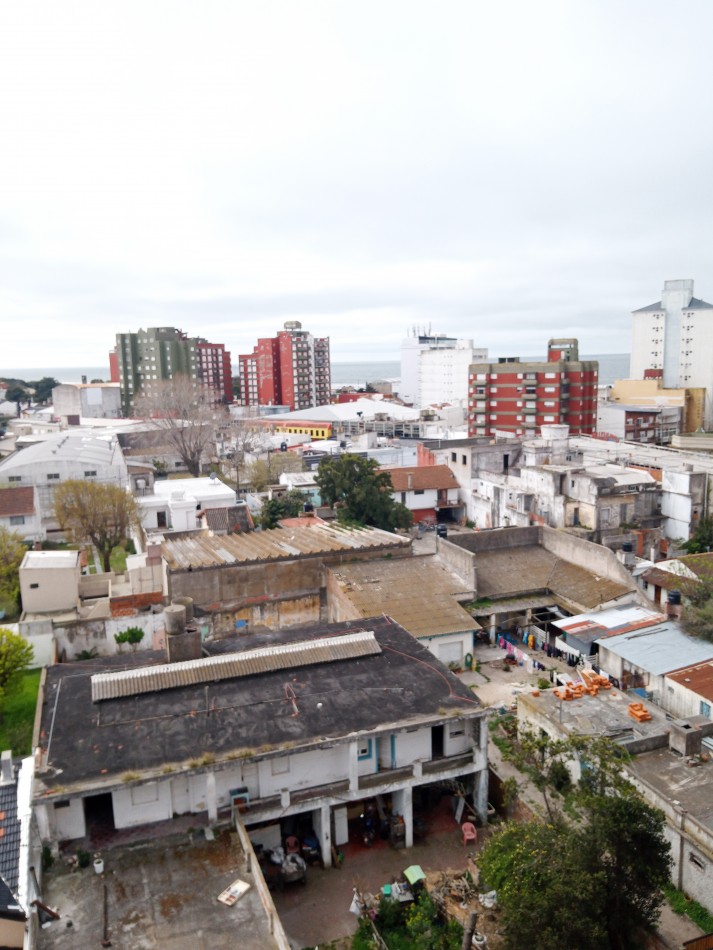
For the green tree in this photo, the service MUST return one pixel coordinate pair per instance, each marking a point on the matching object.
(600, 840)
(100, 513)
(360, 492)
(537, 872)
(16, 654)
(288, 505)
(701, 540)
(16, 393)
(697, 618)
(43, 388)
(12, 551)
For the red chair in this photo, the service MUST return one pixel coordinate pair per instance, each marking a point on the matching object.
(469, 833)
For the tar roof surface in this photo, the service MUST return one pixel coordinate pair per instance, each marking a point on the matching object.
(92, 744)
(417, 592)
(277, 544)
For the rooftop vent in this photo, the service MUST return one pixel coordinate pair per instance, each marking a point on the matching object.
(148, 679)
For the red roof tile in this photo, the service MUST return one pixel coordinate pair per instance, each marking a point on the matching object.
(422, 477)
(17, 501)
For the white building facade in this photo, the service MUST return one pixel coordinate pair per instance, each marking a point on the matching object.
(434, 369)
(675, 335)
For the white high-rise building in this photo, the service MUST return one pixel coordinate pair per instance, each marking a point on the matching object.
(675, 335)
(434, 369)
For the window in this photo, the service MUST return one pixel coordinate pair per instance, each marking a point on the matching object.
(457, 729)
(161, 519)
(34, 586)
(464, 459)
(17, 519)
(90, 474)
(15, 478)
(696, 861)
(364, 749)
(280, 766)
(454, 457)
(144, 794)
(705, 709)
(418, 491)
(53, 476)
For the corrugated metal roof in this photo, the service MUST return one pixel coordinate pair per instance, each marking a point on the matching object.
(147, 679)
(659, 649)
(201, 551)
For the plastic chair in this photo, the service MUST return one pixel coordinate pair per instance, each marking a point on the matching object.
(469, 833)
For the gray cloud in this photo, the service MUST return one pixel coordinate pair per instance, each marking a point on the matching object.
(504, 173)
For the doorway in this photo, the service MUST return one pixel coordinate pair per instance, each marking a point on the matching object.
(437, 742)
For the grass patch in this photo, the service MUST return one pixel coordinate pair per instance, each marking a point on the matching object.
(18, 714)
(689, 908)
(117, 559)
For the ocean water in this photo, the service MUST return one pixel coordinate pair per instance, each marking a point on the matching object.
(612, 366)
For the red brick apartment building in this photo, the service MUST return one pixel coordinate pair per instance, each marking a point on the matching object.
(292, 369)
(518, 398)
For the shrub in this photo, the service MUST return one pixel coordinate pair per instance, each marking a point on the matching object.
(83, 858)
(132, 635)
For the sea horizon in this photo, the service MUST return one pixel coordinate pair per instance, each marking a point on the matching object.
(357, 373)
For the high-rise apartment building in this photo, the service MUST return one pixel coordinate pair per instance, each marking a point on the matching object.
(675, 335)
(142, 358)
(434, 369)
(519, 397)
(292, 369)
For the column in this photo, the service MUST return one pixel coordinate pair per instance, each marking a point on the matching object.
(211, 797)
(353, 767)
(407, 812)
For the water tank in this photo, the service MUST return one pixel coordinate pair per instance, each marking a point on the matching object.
(175, 619)
(627, 547)
(186, 602)
(674, 597)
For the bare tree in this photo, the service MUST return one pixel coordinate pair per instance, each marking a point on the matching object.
(186, 412)
(94, 511)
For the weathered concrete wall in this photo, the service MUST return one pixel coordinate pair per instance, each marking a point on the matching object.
(274, 614)
(236, 587)
(592, 557)
(497, 540)
(87, 635)
(460, 559)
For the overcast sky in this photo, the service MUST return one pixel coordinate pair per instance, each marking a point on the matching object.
(498, 171)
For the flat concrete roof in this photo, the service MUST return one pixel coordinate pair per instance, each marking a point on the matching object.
(688, 787)
(35, 560)
(602, 715)
(161, 895)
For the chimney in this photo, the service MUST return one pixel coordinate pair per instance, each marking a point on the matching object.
(673, 605)
(7, 773)
(626, 555)
(183, 641)
(684, 737)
